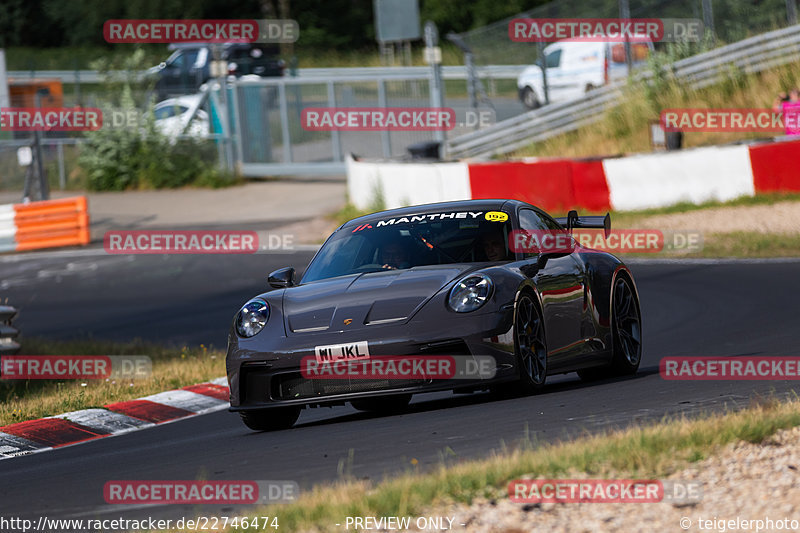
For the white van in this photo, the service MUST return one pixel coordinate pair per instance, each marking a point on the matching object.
(574, 68)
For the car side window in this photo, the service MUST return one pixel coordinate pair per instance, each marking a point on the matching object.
(549, 222)
(176, 60)
(553, 59)
(532, 221)
(165, 111)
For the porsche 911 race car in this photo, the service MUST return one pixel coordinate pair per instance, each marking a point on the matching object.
(439, 282)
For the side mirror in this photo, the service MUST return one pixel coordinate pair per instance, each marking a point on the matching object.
(281, 279)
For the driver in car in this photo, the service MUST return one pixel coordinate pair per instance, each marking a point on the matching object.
(395, 256)
(494, 245)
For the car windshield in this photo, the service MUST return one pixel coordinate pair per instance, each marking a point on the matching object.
(410, 241)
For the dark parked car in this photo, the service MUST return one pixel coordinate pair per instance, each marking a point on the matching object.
(426, 281)
(189, 66)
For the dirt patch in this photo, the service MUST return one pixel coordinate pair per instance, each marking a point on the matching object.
(779, 218)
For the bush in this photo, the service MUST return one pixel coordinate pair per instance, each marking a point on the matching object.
(115, 159)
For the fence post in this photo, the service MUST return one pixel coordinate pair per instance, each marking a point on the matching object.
(436, 88)
(791, 12)
(386, 143)
(62, 180)
(336, 140)
(708, 20)
(285, 133)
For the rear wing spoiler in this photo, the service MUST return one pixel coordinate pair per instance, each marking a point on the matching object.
(572, 220)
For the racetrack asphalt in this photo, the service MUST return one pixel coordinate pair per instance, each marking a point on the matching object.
(689, 308)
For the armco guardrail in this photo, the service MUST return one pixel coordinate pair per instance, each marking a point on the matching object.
(45, 224)
(448, 73)
(8, 333)
(751, 55)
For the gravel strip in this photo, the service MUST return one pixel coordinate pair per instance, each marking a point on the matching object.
(748, 481)
(781, 217)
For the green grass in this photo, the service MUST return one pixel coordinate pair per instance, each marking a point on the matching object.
(749, 244)
(173, 367)
(648, 451)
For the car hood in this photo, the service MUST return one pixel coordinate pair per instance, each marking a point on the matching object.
(364, 300)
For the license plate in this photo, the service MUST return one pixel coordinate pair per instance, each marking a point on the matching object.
(342, 352)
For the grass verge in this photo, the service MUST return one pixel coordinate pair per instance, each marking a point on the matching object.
(172, 368)
(650, 451)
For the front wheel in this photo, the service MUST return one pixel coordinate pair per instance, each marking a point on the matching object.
(530, 345)
(529, 99)
(270, 419)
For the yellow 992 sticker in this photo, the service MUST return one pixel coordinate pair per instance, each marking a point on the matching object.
(496, 216)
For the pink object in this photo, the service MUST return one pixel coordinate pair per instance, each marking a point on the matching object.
(791, 117)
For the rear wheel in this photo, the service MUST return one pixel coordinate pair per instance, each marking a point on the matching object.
(270, 419)
(626, 328)
(626, 333)
(530, 344)
(389, 404)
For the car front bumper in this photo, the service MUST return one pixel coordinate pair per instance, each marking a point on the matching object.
(265, 373)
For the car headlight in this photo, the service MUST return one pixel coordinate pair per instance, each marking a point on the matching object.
(470, 293)
(252, 317)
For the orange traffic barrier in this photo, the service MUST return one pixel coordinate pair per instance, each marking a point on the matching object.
(51, 223)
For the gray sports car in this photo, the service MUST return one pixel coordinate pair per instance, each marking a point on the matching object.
(442, 282)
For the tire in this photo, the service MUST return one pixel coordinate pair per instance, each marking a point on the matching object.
(530, 345)
(626, 328)
(270, 419)
(389, 404)
(626, 334)
(529, 99)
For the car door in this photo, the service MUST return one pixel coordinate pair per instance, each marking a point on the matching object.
(557, 81)
(561, 282)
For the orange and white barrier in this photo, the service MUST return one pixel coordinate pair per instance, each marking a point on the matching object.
(45, 224)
